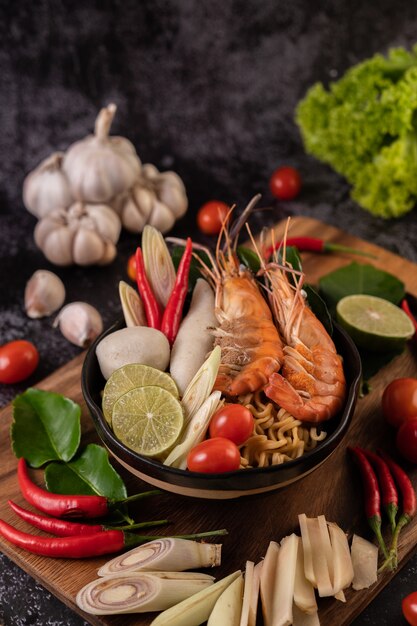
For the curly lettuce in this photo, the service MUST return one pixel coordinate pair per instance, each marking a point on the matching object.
(365, 127)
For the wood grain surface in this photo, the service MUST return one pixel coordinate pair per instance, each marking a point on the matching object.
(334, 489)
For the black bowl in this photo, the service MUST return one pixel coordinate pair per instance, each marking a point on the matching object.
(230, 484)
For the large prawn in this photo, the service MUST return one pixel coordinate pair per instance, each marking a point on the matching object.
(311, 385)
(251, 347)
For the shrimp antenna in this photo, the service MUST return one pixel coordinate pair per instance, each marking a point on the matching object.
(255, 246)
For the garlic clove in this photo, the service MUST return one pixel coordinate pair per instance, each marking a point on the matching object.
(161, 217)
(173, 196)
(150, 171)
(44, 294)
(110, 252)
(106, 222)
(137, 209)
(46, 188)
(55, 242)
(132, 305)
(80, 323)
(88, 248)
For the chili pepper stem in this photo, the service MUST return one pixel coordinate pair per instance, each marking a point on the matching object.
(114, 504)
(160, 522)
(375, 524)
(336, 247)
(131, 539)
(391, 511)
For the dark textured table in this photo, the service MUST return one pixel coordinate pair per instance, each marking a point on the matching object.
(205, 88)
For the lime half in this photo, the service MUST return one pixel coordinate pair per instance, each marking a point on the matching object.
(148, 420)
(129, 377)
(374, 323)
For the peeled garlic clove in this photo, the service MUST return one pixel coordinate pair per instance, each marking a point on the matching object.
(161, 217)
(80, 323)
(132, 306)
(44, 294)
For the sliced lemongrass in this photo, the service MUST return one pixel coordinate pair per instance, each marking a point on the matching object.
(284, 581)
(137, 592)
(194, 432)
(228, 607)
(201, 385)
(304, 596)
(169, 554)
(365, 562)
(304, 619)
(196, 609)
(132, 305)
(158, 264)
(342, 561)
(267, 578)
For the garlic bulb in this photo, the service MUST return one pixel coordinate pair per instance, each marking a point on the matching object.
(46, 187)
(84, 234)
(80, 323)
(44, 294)
(100, 167)
(156, 198)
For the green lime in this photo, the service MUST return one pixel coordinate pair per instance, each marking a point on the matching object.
(148, 420)
(374, 323)
(129, 377)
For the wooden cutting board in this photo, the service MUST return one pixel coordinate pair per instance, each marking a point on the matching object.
(333, 489)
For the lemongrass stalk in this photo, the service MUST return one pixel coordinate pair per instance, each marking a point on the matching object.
(253, 607)
(132, 305)
(139, 592)
(304, 596)
(194, 432)
(267, 590)
(228, 607)
(201, 385)
(158, 264)
(168, 553)
(247, 593)
(342, 561)
(284, 581)
(197, 608)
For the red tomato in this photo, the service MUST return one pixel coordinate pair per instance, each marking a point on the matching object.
(399, 401)
(409, 607)
(285, 183)
(211, 216)
(232, 421)
(131, 267)
(214, 456)
(18, 360)
(406, 440)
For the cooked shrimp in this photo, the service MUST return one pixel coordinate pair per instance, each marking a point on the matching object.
(251, 347)
(311, 385)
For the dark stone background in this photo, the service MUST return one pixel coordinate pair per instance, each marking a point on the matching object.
(205, 88)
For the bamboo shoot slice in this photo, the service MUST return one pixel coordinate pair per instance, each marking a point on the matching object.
(326, 544)
(247, 594)
(139, 592)
(267, 578)
(304, 596)
(307, 550)
(169, 553)
(340, 595)
(284, 582)
(196, 609)
(365, 563)
(342, 561)
(253, 608)
(321, 569)
(228, 607)
(304, 619)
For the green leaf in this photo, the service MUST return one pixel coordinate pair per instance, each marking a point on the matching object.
(360, 278)
(249, 258)
(46, 427)
(88, 473)
(195, 267)
(319, 308)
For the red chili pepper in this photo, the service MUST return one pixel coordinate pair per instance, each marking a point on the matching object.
(372, 496)
(150, 303)
(389, 494)
(82, 546)
(60, 505)
(408, 502)
(314, 244)
(406, 308)
(64, 528)
(173, 312)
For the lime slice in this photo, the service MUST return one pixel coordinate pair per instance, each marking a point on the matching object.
(148, 420)
(374, 323)
(129, 377)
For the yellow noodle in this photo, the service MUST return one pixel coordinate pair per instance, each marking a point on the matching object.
(277, 436)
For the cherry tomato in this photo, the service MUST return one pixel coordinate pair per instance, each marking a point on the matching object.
(399, 401)
(406, 440)
(214, 456)
(131, 267)
(211, 216)
(285, 183)
(232, 421)
(18, 360)
(409, 607)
